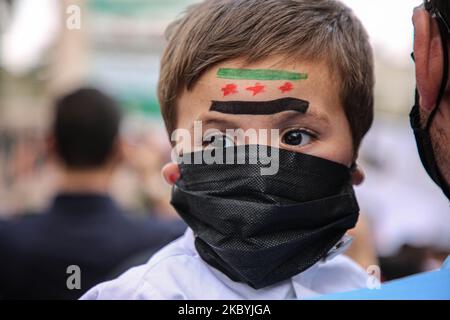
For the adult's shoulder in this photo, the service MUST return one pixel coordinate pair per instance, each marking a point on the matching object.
(172, 226)
(154, 226)
(22, 225)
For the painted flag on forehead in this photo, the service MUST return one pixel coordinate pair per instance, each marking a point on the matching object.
(258, 75)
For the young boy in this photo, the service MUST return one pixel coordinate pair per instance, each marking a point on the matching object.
(302, 69)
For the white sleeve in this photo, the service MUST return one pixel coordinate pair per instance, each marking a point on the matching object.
(129, 286)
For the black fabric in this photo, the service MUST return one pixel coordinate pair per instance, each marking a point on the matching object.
(87, 230)
(264, 229)
(422, 133)
(260, 107)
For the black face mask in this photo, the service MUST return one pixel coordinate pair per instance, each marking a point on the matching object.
(262, 229)
(422, 134)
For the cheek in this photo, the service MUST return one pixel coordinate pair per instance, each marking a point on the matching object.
(337, 146)
(342, 152)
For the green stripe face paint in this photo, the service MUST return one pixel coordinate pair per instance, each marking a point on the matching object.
(259, 74)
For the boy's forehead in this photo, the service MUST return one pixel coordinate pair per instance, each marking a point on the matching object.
(268, 80)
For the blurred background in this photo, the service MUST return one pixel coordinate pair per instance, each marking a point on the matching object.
(116, 47)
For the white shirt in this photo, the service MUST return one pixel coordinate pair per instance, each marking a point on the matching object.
(178, 272)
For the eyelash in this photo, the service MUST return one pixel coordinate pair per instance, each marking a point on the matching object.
(313, 135)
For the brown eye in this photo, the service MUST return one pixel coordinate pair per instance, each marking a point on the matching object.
(296, 137)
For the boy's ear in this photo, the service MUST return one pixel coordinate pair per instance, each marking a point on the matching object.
(428, 57)
(171, 172)
(357, 175)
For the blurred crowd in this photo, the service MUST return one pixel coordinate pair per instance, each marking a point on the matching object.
(28, 179)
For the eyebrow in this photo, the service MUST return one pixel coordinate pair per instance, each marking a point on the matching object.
(260, 107)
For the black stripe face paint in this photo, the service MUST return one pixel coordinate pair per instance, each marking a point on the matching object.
(260, 107)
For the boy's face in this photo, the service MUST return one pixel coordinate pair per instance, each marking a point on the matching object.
(321, 129)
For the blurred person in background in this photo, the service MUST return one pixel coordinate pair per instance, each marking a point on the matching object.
(83, 227)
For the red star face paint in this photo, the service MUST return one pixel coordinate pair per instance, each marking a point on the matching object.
(286, 87)
(258, 88)
(229, 89)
